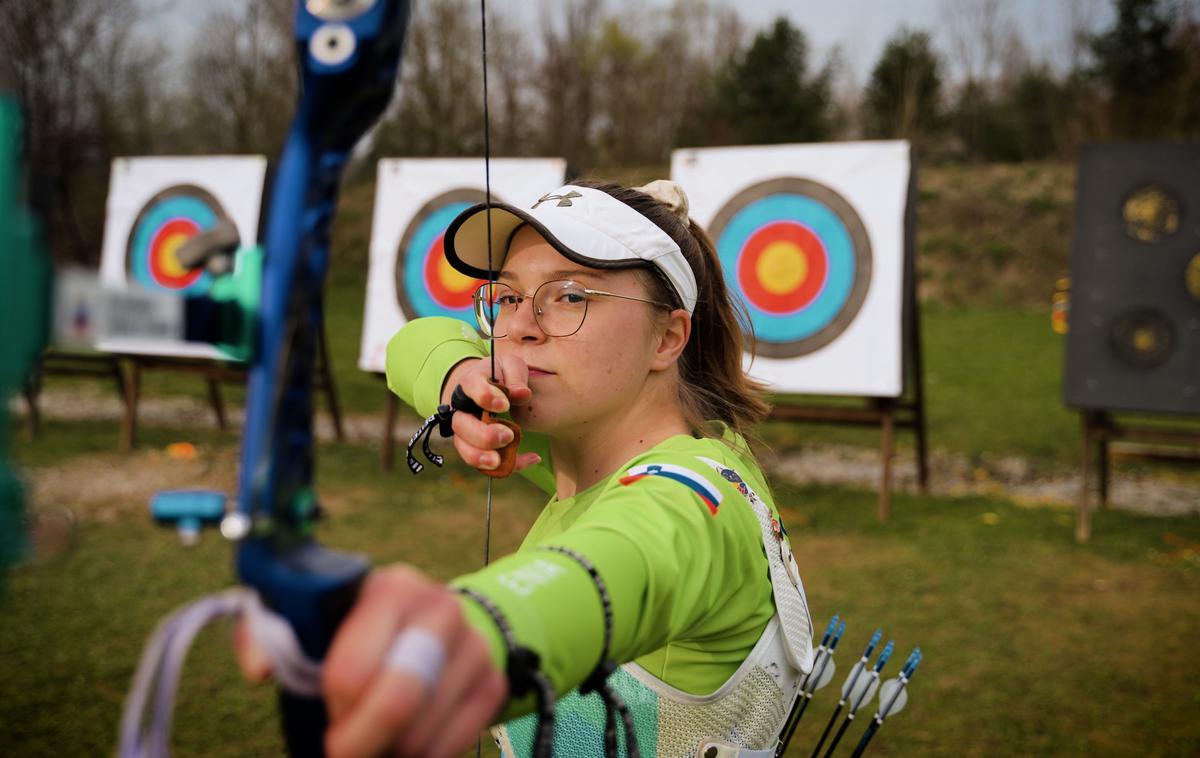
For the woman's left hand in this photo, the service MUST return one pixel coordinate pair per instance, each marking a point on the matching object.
(376, 708)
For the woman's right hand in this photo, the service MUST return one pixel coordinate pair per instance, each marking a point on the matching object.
(475, 441)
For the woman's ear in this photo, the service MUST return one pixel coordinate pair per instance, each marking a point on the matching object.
(673, 338)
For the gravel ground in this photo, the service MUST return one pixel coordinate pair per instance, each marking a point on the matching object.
(97, 483)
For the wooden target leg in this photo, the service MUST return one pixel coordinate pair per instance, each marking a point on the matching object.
(922, 453)
(1083, 517)
(887, 451)
(387, 453)
(118, 377)
(33, 388)
(1102, 470)
(326, 374)
(218, 405)
(133, 382)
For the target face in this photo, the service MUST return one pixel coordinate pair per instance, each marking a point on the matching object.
(798, 256)
(426, 285)
(169, 219)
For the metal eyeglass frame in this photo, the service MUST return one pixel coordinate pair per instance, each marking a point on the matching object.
(532, 298)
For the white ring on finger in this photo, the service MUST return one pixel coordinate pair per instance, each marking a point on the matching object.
(417, 652)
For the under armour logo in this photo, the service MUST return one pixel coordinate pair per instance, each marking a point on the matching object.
(564, 201)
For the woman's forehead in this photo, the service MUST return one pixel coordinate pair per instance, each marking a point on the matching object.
(531, 257)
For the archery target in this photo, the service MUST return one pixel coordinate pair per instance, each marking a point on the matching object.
(813, 240)
(1134, 337)
(168, 220)
(798, 256)
(426, 284)
(157, 204)
(415, 200)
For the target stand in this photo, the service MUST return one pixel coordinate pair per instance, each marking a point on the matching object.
(890, 414)
(409, 277)
(816, 241)
(426, 284)
(214, 372)
(1133, 342)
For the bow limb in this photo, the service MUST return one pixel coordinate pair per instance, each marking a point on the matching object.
(349, 53)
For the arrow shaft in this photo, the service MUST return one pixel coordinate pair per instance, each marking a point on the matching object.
(828, 727)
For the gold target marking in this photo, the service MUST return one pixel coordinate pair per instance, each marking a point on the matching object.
(1191, 277)
(781, 268)
(1145, 340)
(453, 279)
(1151, 214)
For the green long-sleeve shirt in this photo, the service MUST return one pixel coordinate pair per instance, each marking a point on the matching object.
(688, 582)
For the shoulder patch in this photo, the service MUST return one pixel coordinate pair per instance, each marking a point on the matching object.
(708, 494)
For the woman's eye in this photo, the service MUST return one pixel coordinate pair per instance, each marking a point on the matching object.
(511, 300)
(572, 298)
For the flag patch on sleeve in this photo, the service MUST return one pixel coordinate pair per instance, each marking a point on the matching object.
(708, 494)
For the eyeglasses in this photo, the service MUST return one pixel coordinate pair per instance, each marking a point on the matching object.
(559, 306)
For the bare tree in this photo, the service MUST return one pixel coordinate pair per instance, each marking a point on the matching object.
(439, 102)
(240, 82)
(84, 82)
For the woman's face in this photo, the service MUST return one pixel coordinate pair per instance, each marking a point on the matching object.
(596, 372)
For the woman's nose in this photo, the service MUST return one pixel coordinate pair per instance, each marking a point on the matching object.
(523, 323)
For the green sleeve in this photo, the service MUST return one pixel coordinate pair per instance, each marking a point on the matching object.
(674, 571)
(419, 357)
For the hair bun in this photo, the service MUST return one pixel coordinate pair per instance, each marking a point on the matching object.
(669, 194)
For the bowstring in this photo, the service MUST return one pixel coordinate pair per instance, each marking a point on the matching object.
(487, 190)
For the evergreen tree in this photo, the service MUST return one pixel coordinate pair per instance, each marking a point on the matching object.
(765, 95)
(903, 97)
(1136, 62)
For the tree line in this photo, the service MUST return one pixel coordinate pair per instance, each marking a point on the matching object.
(602, 83)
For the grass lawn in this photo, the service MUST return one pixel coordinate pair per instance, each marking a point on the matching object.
(1033, 645)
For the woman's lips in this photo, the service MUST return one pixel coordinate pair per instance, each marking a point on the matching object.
(534, 371)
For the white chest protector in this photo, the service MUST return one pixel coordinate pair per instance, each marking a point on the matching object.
(743, 718)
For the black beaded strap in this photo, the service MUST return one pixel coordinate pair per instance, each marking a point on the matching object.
(441, 419)
(524, 676)
(597, 681)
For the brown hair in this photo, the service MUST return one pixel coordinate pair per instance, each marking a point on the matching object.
(713, 385)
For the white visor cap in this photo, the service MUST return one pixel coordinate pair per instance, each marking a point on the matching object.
(586, 225)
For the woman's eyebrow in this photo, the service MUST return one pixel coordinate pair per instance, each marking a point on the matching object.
(563, 273)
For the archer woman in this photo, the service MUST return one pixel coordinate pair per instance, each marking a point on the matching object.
(621, 354)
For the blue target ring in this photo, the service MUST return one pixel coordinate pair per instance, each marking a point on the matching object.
(165, 222)
(425, 283)
(797, 255)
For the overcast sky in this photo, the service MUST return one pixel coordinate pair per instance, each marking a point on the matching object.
(859, 28)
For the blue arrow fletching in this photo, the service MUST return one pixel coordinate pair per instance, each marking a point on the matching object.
(829, 629)
(874, 641)
(883, 657)
(837, 636)
(914, 658)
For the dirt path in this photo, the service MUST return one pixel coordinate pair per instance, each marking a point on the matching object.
(97, 483)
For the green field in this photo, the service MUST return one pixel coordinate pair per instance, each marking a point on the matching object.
(1033, 645)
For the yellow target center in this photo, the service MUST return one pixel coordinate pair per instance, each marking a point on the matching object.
(1145, 340)
(170, 255)
(781, 268)
(453, 280)
(1192, 277)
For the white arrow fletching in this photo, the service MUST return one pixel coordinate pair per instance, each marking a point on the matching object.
(863, 691)
(825, 676)
(887, 692)
(854, 676)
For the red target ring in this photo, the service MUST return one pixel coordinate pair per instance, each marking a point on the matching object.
(164, 263)
(448, 287)
(783, 267)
